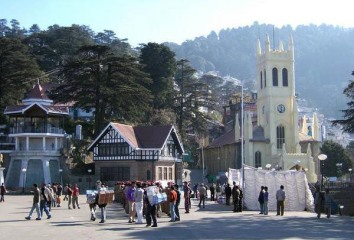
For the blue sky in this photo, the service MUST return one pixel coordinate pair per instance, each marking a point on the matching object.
(142, 21)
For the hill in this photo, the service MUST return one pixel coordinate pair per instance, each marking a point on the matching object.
(324, 58)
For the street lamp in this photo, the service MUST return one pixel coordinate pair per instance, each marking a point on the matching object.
(350, 176)
(61, 178)
(89, 172)
(322, 158)
(24, 179)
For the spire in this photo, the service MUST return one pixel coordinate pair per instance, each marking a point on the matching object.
(291, 43)
(304, 125)
(281, 46)
(259, 49)
(315, 130)
(267, 44)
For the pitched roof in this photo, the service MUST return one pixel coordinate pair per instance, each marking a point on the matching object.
(143, 137)
(225, 139)
(37, 92)
(49, 109)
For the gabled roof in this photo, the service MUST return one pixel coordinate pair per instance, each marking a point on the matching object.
(142, 137)
(225, 139)
(49, 109)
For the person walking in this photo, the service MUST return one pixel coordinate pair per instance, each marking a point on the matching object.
(202, 195)
(261, 200)
(150, 212)
(319, 201)
(75, 196)
(139, 201)
(280, 197)
(228, 194)
(177, 216)
(70, 193)
(131, 202)
(266, 197)
(187, 197)
(235, 197)
(2, 192)
(212, 192)
(35, 205)
(240, 202)
(327, 203)
(172, 198)
(102, 187)
(43, 204)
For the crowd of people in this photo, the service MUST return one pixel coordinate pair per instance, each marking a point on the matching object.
(138, 206)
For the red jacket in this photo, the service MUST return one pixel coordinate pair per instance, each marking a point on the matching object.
(173, 196)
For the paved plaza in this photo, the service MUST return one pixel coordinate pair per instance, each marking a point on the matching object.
(215, 221)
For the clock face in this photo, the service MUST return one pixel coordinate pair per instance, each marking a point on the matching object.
(281, 108)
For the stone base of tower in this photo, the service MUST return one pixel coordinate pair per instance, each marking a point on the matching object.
(27, 169)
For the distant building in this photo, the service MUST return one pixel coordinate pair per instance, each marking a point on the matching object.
(147, 153)
(271, 133)
(36, 130)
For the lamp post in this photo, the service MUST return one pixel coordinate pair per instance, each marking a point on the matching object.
(61, 178)
(350, 176)
(24, 170)
(89, 172)
(322, 158)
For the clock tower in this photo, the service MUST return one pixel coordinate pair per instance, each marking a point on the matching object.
(277, 110)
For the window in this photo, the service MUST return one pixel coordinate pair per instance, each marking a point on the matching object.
(115, 173)
(165, 173)
(275, 77)
(261, 80)
(113, 149)
(159, 172)
(148, 175)
(280, 137)
(170, 173)
(285, 77)
(257, 159)
(265, 79)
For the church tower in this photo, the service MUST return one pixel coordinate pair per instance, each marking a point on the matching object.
(277, 110)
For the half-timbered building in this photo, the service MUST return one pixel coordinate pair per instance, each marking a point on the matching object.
(147, 153)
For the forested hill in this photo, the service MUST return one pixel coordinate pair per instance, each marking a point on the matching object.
(324, 58)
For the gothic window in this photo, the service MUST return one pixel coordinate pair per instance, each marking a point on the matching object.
(257, 159)
(261, 80)
(280, 136)
(275, 77)
(285, 77)
(265, 79)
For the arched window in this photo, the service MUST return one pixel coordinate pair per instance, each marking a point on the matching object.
(261, 80)
(265, 79)
(285, 77)
(257, 159)
(148, 175)
(280, 136)
(275, 77)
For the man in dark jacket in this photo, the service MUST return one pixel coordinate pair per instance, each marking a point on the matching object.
(235, 197)
(228, 194)
(35, 205)
(261, 200)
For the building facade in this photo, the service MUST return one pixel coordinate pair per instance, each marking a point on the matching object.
(146, 153)
(36, 129)
(275, 138)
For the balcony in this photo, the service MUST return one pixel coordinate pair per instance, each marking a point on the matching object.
(39, 128)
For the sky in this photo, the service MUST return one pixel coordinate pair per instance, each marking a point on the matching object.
(143, 21)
